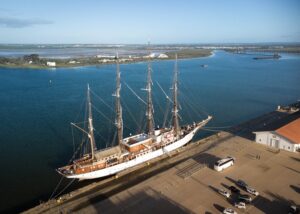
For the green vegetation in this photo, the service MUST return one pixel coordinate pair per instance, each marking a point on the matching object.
(29, 61)
(189, 53)
(33, 61)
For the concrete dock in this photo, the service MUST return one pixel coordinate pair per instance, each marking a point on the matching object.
(185, 182)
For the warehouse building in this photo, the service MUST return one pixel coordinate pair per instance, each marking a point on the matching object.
(286, 137)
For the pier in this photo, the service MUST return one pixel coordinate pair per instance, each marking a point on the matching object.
(184, 180)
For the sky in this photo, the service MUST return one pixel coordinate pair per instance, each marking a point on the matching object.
(140, 21)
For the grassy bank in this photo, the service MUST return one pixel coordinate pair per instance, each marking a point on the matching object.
(189, 53)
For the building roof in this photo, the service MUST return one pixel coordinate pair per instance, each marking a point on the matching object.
(291, 131)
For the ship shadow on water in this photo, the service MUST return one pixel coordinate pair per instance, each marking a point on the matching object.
(45, 197)
(64, 156)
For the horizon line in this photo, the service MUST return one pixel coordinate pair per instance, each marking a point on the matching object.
(171, 43)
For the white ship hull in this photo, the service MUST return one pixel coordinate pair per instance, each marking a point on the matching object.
(138, 160)
(133, 150)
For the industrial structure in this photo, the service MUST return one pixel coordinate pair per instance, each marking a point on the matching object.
(286, 137)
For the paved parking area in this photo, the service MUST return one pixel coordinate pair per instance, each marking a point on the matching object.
(191, 186)
(187, 183)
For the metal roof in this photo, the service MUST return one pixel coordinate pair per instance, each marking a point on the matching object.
(291, 131)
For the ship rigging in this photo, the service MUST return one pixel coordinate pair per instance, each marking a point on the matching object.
(136, 149)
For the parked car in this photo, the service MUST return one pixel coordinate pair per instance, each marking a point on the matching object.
(224, 163)
(252, 191)
(246, 198)
(229, 211)
(234, 189)
(293, 210)
(242, 183)
(240, 205)
(224, 193)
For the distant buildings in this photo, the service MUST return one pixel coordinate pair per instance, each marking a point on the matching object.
(155, 55)
(125, 60)
(286, 137)
(162, 56)
(111, 58)
(106, 60)
(51, 64)
(152, 55)
(106, 56)
(73, 62)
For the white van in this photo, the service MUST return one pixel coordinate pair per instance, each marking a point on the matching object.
(224, 163)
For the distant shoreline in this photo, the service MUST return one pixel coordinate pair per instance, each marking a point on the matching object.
(135, 54)
(95, 61)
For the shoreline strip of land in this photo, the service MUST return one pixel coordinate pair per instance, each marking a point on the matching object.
(34, 61)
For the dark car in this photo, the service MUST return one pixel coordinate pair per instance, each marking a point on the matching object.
(234, 189)
(245, 198)
(241, 184)
(293, 210)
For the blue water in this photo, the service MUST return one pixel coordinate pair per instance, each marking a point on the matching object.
(35, 114)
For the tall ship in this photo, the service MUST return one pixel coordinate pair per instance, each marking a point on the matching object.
(135, 149)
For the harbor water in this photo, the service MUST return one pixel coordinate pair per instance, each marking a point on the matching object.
(37, 106)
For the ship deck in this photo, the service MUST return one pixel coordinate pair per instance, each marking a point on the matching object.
(136, 139)
(101, 154)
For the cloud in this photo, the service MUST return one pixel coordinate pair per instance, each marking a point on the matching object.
(11, 22)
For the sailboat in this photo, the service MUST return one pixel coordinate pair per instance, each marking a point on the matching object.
(136, 149)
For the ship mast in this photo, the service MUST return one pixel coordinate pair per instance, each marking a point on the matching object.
(119, 120)
(150, 110)
(175, 101)
(90, 124)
